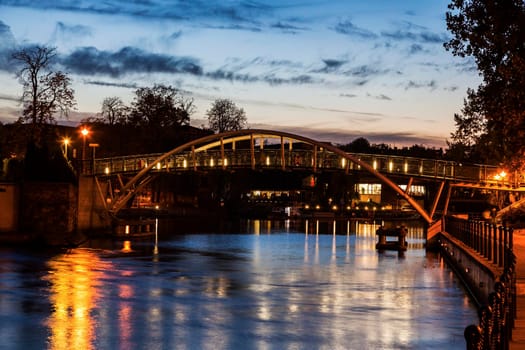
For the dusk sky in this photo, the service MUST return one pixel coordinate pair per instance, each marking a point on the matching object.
(330, 70)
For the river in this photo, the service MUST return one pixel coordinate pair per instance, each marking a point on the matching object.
(252, 285)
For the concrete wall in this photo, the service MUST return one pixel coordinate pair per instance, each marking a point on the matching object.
(9, 199)
(92, 213)
(478, 275)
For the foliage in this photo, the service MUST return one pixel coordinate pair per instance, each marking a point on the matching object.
(160, 106)
(224, 115)
(492, 121)
(114, 111)
(45, 92)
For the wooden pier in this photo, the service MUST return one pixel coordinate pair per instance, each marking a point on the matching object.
(399, 244)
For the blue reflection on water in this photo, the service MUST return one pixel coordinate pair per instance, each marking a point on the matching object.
(271, 286)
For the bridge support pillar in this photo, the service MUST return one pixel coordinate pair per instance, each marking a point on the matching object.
(92, 213)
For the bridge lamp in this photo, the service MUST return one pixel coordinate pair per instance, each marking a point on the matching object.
(159, 166)
(390, 166)
(343, 162)
(334, 207)
(184, 163)
(406, 167)
(225, 161)
(374, 164)
(106, 170)
(267, 160)
(212, 163)
(317, 207)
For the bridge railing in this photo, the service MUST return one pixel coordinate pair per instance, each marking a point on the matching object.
(300, 158)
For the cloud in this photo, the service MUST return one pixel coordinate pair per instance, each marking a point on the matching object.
(416, 33)
(348, 95)
(76, 29)
(432, 85)
(7, 45)
(379, 97)
(346, 27)
(342, 137)
(287, 28)
(106, 83)
(91, 61)
(230, 11)
(10, 98)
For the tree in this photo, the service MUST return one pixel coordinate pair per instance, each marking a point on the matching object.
(114, 111)
(160, 106)
(359, 145)
(493, 116)
(224, 115)
(45, 92)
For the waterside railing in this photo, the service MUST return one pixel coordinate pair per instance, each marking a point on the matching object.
(496, 317)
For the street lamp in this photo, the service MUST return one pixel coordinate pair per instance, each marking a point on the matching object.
(84, 133)
(65, 141)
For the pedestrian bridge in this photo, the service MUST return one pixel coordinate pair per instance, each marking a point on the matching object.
(269, 149)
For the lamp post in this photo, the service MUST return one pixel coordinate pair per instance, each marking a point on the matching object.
(94, 146)
(65, 141)
(84, 133)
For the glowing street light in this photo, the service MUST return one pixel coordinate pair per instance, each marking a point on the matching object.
(84, 133)
(65, 141)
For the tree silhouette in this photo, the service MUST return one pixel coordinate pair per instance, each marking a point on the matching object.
(224, 115)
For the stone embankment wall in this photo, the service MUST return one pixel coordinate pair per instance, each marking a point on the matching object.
(477, 273)
(9, 196)
(48, 210)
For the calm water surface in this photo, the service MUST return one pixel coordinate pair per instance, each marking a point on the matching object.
(263, 285)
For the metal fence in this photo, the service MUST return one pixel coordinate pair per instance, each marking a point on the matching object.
(496, 318)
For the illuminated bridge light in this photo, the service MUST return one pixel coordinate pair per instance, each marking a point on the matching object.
(390, 166)
(106, 170)
(374, 164)
(406, 167)
(185, 163)
(159, 166)
(343, 162)
(211, 162)
(267, 160)
(225, 161)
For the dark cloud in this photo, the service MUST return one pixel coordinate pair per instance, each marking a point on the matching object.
(348, 28)
(365, 71)
(413, 32)
(348, 95)
(451, 88)
(379, 97)
(76, 29)
(432, 85)
(10, 98)
(175, 35)
(7, 45)
(287, 28)
(231, 12)
(415, 48)
(106, 83)
(91, 61)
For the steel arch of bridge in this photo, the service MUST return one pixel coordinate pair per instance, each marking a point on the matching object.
(144, 176)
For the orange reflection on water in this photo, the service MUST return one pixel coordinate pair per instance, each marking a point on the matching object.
(74, 280)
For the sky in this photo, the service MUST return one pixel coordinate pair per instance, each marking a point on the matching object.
(330, 70)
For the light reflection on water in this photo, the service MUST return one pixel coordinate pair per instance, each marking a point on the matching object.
(273, 285)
